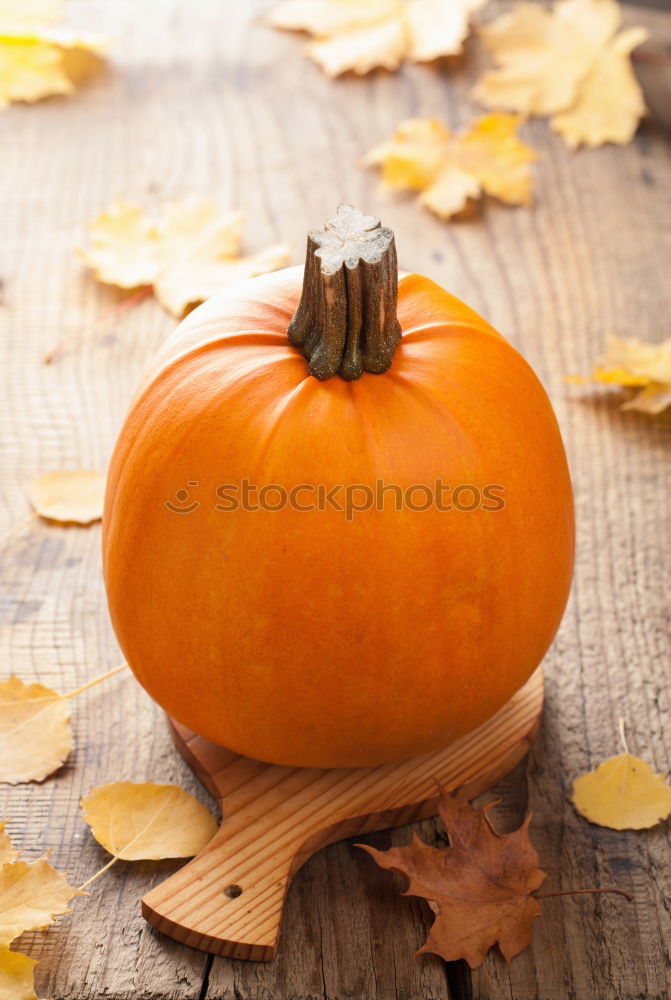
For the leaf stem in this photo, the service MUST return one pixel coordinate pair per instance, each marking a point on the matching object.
(623, 738)
(130, 843)
(96, 680)
(100, 872)
(132, 300)
(575, 892)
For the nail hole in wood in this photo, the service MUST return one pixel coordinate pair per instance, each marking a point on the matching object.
(233, 891)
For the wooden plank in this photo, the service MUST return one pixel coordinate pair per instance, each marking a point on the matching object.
(203, 98)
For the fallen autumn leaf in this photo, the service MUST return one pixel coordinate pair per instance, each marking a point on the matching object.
(39, 60)
(450, 169)
(35, 733)
(69, 496)
(141, 821)
(623, 793)
(569, 63)
(31, 895)
(637, 364)
(479, 887)
(188, 255)
(8, 852)
(362, 35)
(17, 973)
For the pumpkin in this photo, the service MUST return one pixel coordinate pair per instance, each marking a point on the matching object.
(347, 545)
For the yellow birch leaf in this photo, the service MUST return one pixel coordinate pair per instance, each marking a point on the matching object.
(449, 169)
(567, 62)
(362, 35)
(147, 821)
(636, 363)
(31, 895)
(69, 496)
(35, 734)
(16, 975)
(8, 852)
(623, 793)
(38, 60)
(190, 253)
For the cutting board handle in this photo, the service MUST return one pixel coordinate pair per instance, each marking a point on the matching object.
(230, 898)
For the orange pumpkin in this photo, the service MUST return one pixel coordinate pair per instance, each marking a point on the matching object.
(326, 637)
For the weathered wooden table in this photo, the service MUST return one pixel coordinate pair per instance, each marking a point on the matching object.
(201, 97)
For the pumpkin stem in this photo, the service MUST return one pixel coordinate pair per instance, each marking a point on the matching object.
(346, 321)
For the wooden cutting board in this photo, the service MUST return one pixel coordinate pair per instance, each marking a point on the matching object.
(229, 899)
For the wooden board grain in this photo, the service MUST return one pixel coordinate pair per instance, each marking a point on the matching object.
(202, 98)
(230, 899)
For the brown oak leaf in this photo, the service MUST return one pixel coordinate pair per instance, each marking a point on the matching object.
(479, 887)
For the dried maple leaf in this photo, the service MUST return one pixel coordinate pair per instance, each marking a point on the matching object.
(35, 734)
(16, 975)
(31, 895)
(449, 169)
(39, 60)
(362, 35)
(479, 887)
(69, 496)
(8, 852)
(147, 821)
(188, 255)
(568, 63)
(638, 364)
(623, 793)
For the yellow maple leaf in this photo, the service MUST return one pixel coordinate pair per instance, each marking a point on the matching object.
(362, 35)
(39, 60)
(639, 364)
(610, 102)
(35, 734)
(31, 895)
(147, 821)
(8, 852)
(198, 254)
(30, 70)
(449, 169)
(69, 496)
(569, 63)
(189, 254)
(16, 975)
